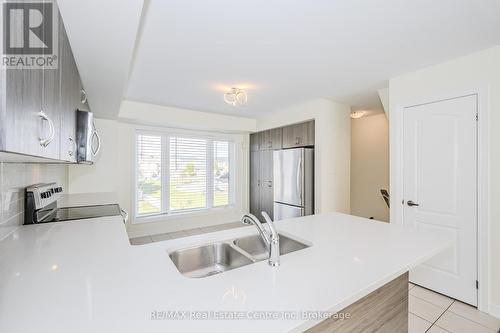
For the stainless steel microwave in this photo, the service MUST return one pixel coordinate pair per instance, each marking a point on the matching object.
(87, 139)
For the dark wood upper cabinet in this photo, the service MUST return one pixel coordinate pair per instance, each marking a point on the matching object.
(20, 121)
(38, 107)
(70, 97)
(51, 107)
(271, 139)
(311, 133)
(30, 116)
(255, 141)
(298, 135)
(21, 102)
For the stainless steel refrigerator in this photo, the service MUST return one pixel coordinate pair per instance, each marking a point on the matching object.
(293, 176)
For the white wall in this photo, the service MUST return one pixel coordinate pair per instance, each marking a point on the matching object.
(383, 94)
(332, 148)
(478, 70)
(369, 166)
(103, 47)
(14, 177)
(113, 172)
(157, 115)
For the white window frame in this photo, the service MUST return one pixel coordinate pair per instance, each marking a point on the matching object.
(165, 214)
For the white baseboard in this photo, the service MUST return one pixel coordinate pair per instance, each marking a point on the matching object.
(495, 310)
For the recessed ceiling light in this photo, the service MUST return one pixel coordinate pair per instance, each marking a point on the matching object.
(357, 114)
(235, 97)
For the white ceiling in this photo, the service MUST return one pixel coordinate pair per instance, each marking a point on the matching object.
(102, 36)
(287, 51)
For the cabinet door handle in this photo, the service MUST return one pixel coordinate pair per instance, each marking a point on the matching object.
(84, 96)
(98, 138)
(44, 142)
(72, 151)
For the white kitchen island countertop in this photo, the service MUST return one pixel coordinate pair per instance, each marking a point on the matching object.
(84, 276)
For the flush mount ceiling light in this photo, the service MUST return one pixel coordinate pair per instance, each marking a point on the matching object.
(357, 114)
(235, 97)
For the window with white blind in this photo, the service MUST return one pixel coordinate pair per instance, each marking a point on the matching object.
(180, 173)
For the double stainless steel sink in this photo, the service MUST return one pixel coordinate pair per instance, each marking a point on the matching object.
(209, 259)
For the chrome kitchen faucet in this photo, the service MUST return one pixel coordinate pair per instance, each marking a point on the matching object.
(271, 238)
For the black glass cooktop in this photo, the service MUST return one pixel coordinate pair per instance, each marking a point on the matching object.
(85, 212)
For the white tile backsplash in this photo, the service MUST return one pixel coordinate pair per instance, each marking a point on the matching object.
(14, 177)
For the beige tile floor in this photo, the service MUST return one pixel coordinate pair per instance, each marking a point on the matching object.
(434, 313)
(429, 312)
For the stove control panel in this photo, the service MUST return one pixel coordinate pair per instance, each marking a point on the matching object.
(43, 195)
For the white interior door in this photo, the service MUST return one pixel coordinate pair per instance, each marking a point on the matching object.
(440, 190)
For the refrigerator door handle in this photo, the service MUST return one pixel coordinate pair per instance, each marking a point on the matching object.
(299, 177)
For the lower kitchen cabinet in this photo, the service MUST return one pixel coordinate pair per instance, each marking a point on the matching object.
(261, 183)
(266, 181)
(255, 183)
(267, 201)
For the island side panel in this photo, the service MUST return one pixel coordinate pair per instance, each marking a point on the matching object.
(384, 310)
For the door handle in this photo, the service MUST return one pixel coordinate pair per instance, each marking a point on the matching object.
(98, 138)
(44, 142)
(412, 204)
(83, 96)
(72, 151)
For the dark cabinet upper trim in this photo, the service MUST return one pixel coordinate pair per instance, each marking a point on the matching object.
(290, 136)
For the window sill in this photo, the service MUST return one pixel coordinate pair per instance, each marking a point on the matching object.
(184, 214)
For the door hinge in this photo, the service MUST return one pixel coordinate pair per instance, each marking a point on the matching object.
(477, 116)
(477, 284)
